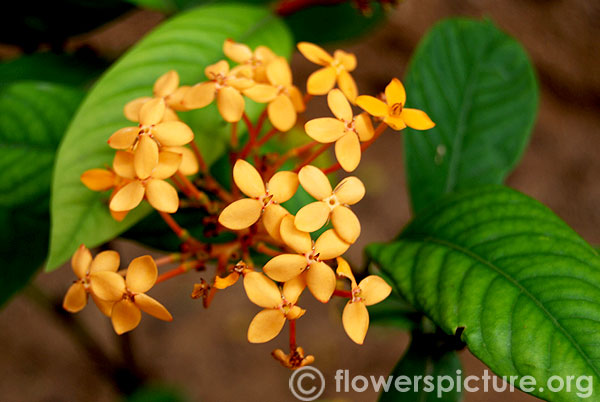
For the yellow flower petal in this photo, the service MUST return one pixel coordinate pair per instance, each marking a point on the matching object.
(105, 307)
(312, 217)
(295, 313)
(123, 164)
(168, 163)
(123, 138)
(108, 260)
(297, 240)
(321, 81)
(339, 105)
(293, 288)
(345, 223)
(231, 104)
(264, 54)
(162, 196)
(296, 98)
(395, 92)
(132, 109)
(118, 216)
(152, 111)
(141, 274)
(107, 285)
(265, 326)
(315, 53)
(272, 218)
(350, 190)
(125, 316)
(329, 245)
(372, 105)
(282, 113)
(219, 68)
(395, 122)
(98, 179)
(314, 181)
(348, 60)
(199, 95)
(145, 157)
(261, 290)
(81, 261)
(189, 164)
(170, 115)
(127, 197)
(173, 134)
(325, 129)
(416, 119)
(241, 83)
(347, 151)
(76, 298)
(224, 283)
(248, 179)
(241, 214)
(285, 267)
(237, 52)
(364, 127)
(356, 321)
(374, 289)
(279, 73)
(151, 306)
(175, 100)
(347, 85)
(261, 93)
(344, 270)
(166, 84)
(283, 186)
(320, 280)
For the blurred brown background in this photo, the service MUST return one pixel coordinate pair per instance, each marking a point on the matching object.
(205, 351)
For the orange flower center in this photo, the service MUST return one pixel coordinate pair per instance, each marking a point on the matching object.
(356, 292)
(396, 109)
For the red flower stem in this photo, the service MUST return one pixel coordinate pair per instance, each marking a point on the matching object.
(167, 259)
(343, 293)
(178, 230)
(248, 123)
(266, 137)
(292, 335)
(312, 157)
(260, 122)
(171, 274)
(264, 249)
(234, 137)
(192, 190)
(198, 154)
(378, 131)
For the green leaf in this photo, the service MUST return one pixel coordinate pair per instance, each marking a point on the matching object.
(431, 362)
(186, 43)
(394, 312)
(522, 284)
(33, 119)
(157, 393)
(479, 87)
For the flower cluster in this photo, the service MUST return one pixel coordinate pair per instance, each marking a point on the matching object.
(306, 248)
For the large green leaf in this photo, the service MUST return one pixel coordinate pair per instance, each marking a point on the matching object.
(523, 285)
(478, 86)
(33, 120)
(186, 43)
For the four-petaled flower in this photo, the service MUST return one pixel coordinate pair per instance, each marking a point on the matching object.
(371, 290)
(334, 68)
(293, 360)
(346, 130)
(392, 111)
(257, 59)
(332, 203)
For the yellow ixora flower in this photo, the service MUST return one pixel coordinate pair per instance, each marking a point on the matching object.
(240, 269)
(331, 203)
(257, 59)
(308, 265)
(278, 306)
(284, 99)
(293, 360)
(159, 193)
(129, 294)
(392, 111)
(336, 68)
(166, 87)
(88, 270)
(224, 84)
(346, 130)
(371, 290)
(263, 199)
(151, 134)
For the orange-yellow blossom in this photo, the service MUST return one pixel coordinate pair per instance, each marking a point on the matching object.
(293, 360)
(257, 59)
(240, 269)
(263, 199)
(88, 270)
(308, 265)
(129, 294)
(159, 193)
(278, 306)
(189, 164)
(152, 133)
(332, 203)
(166, 87)
(346, 130)
(336, 68)
(224, 84)
(371, 290)
(284, 99)
(392, 111)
